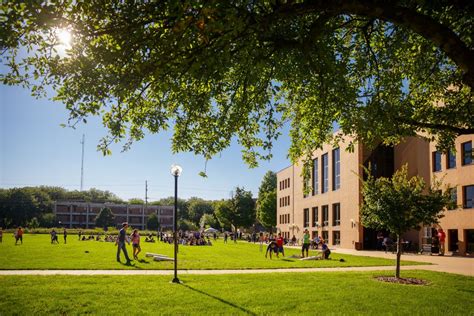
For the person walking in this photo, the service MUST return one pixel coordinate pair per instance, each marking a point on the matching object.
(135, 237)
(19, 235)
(1, 234)
(305, 243)
(261, 239)
(442, 239)
(122, 238)
(65, 235)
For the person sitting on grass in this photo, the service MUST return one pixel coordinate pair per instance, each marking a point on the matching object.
(325, 252)
(272, 247)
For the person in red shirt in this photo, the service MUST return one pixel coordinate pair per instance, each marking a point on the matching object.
(441, 238)
(19, 236)
(280, 242)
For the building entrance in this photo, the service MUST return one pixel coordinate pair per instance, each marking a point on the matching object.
(453, 240)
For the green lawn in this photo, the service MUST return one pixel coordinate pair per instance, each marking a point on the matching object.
(339, 293)
(38, 253)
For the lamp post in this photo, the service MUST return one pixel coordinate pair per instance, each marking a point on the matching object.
(175, 172)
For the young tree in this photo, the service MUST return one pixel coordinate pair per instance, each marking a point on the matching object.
(105, 218)
(400, 204)
(152, 222)
(219, 69)
(266, 203)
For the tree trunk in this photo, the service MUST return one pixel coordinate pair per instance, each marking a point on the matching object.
(399, 254)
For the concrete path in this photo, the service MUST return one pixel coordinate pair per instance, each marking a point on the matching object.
(457, 265)
(450, 264)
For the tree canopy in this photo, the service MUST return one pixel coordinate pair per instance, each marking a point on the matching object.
(214, 70)
(239, 211)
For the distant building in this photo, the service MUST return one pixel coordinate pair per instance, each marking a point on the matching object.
(83, 214)
(331, 209)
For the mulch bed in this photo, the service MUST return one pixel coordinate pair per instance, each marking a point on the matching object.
(409, 281)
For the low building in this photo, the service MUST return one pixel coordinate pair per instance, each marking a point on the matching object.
(83, 214)
(331, 209)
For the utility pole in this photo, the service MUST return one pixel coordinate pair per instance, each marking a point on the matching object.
(145, 211)
(146, 194)
(82, 162)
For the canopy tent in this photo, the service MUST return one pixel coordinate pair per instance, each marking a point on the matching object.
(211, 230)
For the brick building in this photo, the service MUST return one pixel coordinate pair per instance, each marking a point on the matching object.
(83, 214)
(331, 210)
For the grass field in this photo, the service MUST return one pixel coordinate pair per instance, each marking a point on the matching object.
(38, 253)
(338, 293)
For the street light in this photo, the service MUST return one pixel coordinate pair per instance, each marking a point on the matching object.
(175, 172)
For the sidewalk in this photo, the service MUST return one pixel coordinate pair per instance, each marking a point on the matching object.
(450, 264)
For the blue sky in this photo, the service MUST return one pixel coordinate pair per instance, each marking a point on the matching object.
(36, 150)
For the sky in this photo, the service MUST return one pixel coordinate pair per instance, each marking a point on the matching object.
(35, 150)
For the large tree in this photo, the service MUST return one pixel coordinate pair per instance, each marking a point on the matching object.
(216, 69)
(239, 211)
(266, 202)
(197, 208)
(400, 204)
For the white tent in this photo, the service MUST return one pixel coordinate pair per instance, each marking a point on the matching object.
(211, 230)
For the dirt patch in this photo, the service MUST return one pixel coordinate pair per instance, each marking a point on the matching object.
(409, 281)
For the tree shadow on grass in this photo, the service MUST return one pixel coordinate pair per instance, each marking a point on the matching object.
(219, 299)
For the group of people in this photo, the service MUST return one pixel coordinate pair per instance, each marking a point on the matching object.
(54, 236)
(276, 246)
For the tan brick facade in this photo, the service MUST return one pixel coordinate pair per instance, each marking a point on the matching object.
(296, 212)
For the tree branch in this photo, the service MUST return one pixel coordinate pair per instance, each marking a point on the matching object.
(440, 35)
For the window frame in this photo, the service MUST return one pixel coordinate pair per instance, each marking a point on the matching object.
(324, 173)
(336, 221)
(436, 164)
(450, 160)
(336, 169)
(464, 196)
(325, 215)
(466, 156)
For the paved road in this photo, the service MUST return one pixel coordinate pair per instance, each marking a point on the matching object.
(458, 265)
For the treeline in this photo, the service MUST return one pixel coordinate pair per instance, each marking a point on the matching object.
(33, 206)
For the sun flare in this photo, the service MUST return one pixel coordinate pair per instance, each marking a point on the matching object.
(64, 37)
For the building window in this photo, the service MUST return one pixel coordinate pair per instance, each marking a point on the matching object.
(336, 169)
(306, 217)
(324, 171)
(466, 149)
(454, 198)
(325, 215)
(326, 236)
(468, 196)
(315, 177)
(336, 238)
(315, 217)
(436, 158)
(450, 160)
(336, 214)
